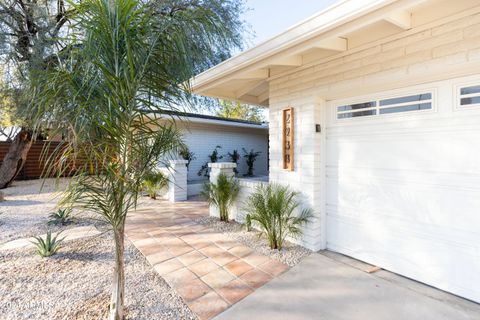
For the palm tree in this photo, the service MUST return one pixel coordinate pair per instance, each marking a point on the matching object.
(126, 60)
(222, 194)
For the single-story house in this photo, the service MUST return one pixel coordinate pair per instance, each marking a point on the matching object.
(203, 133)
(374, 110)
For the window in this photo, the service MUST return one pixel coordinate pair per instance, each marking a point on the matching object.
(410, 103)
(357, 110)
(405, 104)
(470, 96)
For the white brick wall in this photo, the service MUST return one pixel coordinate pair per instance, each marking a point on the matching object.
(202, 140)
(446, 50)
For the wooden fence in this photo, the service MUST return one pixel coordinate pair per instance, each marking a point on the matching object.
(33, 167)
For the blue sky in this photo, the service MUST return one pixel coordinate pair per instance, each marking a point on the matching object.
(270, 17)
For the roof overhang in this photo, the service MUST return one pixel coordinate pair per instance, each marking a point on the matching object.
(341, 27)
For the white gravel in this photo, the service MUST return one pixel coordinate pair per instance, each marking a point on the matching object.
(291, 254)
(75, 283)
(27, 206)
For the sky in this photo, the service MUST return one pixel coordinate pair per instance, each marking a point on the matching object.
(271, 17)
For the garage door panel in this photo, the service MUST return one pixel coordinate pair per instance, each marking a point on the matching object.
(440, 205)
(411, 256)
(414, 153)
(403, 192)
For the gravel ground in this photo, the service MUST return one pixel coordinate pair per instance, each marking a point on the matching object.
(75, 283)
(27, 206)
(291, 254)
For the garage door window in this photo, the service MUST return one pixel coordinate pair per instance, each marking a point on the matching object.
(357, 110)
(409, 103)
(470, 96)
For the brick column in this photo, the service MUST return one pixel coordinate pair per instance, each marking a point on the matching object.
(177, 184)
(218, 168)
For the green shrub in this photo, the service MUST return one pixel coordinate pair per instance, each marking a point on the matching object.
(186, 154)
(273, 207)
(48, 246)
(222, 194)
(61, 216)
(234, 157)
(154, 182)
(250, 158)
(213, 157)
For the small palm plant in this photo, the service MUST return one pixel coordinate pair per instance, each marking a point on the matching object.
(250, 158)
(49, 245)
(61, 216)
(222, 194)
(273, 207)
(154, 182)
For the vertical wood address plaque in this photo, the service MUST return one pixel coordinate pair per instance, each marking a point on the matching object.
(288, 129)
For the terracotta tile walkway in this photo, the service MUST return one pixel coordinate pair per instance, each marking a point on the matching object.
(208, 270)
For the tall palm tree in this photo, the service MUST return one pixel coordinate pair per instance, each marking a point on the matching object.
(127, 59)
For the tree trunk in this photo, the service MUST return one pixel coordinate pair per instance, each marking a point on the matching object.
(118, 290)
(15, 158)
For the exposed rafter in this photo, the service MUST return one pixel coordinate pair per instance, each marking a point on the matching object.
(248, 88)
(254, 75)
(334, 44)
(402, 19)
(264, 97)
(291, 61)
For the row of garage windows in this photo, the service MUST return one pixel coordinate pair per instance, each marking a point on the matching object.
(468, 96)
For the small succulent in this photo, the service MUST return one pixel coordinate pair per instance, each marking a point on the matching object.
(61, 216)
(49, 245)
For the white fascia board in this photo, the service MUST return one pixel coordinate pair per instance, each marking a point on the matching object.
(334, 16)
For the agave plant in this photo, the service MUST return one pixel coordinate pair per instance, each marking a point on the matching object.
(222, 194)
(154, 182)
(273, 207)
(61, 216)
(49, 245)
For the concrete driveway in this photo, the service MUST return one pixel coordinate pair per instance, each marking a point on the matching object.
(331, 286)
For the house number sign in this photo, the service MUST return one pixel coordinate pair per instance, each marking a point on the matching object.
(288, 128)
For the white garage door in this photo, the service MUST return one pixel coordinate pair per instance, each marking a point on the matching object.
(403, 182)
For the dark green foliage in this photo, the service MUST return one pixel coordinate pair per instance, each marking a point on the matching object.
(250, 158)
(61, 216)
(222, 194)
(273, 208)
(234, 157)
(187, 155)
(248, 222)
(47, 246)
(214, 157)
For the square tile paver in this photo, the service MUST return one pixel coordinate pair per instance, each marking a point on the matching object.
(224, 258)
(240, 251)
(238, 267)
(218, 278)
(168, 266)
(256, 278)
(159, 257)
(179, 277)
(256, 259)
(208, 306)
(193, 289)
(203, 267)
(273, 267)
(235, 291)
(191, 257)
